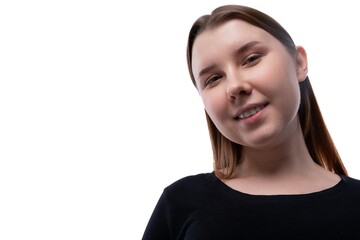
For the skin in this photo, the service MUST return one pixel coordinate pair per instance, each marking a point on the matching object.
(241, 70)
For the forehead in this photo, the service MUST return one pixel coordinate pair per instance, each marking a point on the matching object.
(225, 38)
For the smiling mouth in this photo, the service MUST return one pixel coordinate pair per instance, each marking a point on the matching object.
(250, 112)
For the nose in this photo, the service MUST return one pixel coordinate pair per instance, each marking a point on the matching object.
(237, 87)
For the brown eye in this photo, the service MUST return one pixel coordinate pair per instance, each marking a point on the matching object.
(251, 59)
(212, 80)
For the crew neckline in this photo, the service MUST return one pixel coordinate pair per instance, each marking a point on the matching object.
(328, 191)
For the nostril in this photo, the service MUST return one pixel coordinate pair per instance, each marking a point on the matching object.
(244, 92)
(239, 91)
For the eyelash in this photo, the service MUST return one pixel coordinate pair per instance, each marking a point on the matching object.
(251, 59)
(212, 79)
(248, 61)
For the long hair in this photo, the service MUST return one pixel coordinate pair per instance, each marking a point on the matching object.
(226, 153)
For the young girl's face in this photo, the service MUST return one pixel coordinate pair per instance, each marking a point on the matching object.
(249, 83)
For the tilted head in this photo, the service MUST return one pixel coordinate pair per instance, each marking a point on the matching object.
(226, 152)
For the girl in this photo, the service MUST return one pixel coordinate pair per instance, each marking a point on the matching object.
(277, 173)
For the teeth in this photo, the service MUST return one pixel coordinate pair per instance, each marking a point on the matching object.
(249, 113)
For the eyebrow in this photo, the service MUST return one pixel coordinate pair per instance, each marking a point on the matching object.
(239, 51)
(246, 47)
(206, 70)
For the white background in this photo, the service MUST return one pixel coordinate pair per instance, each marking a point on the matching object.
(98, 113)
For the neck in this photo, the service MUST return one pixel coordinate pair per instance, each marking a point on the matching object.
(288, 157)
(285, 168)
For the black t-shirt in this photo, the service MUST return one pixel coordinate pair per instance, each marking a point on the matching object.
(203, 207)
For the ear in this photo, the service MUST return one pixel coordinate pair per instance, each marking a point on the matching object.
(301, 63)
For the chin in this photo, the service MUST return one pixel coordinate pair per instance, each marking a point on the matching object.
(261, 140)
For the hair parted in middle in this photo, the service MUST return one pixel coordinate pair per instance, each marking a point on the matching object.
(226, 153)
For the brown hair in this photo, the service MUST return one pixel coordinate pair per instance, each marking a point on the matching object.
(317, 138)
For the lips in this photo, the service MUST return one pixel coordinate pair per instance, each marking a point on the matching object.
(250, 111)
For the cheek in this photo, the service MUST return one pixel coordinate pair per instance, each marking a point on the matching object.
(278, 76)
(215, 105)
(285, 86)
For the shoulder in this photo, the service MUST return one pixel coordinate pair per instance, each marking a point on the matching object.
(352, 185)
(351, 181)
(192, 187)
(191, 182)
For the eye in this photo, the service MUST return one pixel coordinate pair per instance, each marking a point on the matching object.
(252, 59)
(212, 80)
